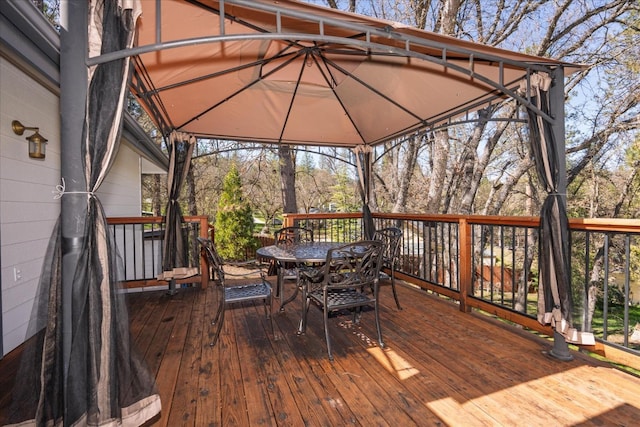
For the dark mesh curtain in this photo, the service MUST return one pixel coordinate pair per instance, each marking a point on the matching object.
(107, 383)
(38, 391)
(555, 302)
(175, 256)
(363, 161)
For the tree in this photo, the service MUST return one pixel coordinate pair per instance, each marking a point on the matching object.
(263, 187)
(50, 9)
(154, 193)
(454, 163)
(234, 220)
(288, 179)
(343, 193)
(192, 207)
(314, 188)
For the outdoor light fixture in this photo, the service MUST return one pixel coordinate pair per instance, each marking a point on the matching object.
(37, 143)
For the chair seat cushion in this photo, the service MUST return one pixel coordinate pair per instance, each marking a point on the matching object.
(247, 292)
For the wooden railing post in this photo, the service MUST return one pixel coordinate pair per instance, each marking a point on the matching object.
(204, 270)
(287, 221)
(465, 263)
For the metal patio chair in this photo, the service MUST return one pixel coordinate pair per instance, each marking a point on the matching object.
(391, 237)
(289, 271)
(348, 280)
(258, 290)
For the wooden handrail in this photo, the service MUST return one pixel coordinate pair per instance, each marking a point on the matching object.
(151, 219)
(619, 225)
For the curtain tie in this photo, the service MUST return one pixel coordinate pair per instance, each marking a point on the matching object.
(60, 191)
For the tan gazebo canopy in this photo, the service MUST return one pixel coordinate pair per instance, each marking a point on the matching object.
(290, 72)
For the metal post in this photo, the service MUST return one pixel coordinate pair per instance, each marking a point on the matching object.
(172, 287)
(556, 109)
(73, 93)
(366, 165)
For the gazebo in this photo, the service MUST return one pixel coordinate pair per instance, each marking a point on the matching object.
(259, 71)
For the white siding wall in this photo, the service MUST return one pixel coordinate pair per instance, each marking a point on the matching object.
(120, 193)
(28, 210)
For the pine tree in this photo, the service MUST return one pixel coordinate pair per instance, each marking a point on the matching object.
(234, 220)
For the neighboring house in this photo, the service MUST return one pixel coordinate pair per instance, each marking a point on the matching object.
(29, 92)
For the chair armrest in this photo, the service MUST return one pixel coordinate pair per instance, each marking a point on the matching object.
(311, 274)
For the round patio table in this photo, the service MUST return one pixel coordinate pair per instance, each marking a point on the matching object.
(298, 254)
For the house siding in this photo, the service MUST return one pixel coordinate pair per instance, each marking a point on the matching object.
(120, 193)
(28, 209)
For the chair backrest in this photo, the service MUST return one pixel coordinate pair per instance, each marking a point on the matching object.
(290, 235)
(391, 237)
(354, 264)
(214, 260)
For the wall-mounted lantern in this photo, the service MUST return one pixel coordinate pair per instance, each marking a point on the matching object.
(37, 143)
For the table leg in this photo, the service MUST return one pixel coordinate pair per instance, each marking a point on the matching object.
(284, 302)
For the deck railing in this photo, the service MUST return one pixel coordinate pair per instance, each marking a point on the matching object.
(329, 227)
(139, 241)
(490, 263)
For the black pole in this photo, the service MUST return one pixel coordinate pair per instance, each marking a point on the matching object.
(366, 164)
(556, 108)
(73, 93)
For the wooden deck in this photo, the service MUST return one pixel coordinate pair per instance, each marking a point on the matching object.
(440, 367)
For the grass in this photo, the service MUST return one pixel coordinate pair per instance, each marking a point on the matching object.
(615, 316)
(615, 319)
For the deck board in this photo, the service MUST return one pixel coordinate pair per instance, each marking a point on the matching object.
(208, 392)
(189, 367)
(265, 389)
(307, 371)
(439, 367)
